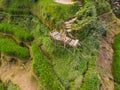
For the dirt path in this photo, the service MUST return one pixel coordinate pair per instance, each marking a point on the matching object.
(64, 1)
(106, 57)
(19, 75)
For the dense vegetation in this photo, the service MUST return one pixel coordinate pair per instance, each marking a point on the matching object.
(10, 47)
(17, 11)
(89, 36)
(44, 71)
(116, 61)
(58, 68)
(47, 11)
(19, 32)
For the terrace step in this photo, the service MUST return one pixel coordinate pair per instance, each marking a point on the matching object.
(68, 24)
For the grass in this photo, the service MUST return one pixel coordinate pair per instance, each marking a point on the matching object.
(44, 70)
(17, 7)
(47, 11)
(41, 35)
(89, 48)
(16, 3)
(70, 64)
(16, 11)
(73, 66)
(1, 86)
(11, 86)
(102, 7)
(92, 79)
(117, 86)
(116, 62)
(9, 46)
(69, 68)
(19, 32)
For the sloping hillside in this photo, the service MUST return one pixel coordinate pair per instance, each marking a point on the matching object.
(31, 60)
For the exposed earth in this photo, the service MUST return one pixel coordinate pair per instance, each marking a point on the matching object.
(106, 57)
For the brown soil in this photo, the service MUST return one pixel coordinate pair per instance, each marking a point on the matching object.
(19, 75)
(106, 57)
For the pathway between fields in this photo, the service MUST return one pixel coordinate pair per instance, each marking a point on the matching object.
(106, 58)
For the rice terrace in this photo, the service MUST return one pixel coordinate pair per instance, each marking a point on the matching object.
(59, 44)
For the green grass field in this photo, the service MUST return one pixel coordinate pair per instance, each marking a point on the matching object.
(116, 61)
(19, 32)
(43, 69)
(10, 47)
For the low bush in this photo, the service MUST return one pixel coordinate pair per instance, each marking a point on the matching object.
(44, 71)
(103, 7)
(9, 46)
(117, 13)
(19, 32)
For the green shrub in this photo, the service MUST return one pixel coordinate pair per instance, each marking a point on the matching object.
(103, 7)
(41, 35)
(44, 71)
(17, 31)
(117, 13)
(10, 47)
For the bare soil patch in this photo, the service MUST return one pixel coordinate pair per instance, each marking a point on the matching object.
(19, 75)
(106, 57)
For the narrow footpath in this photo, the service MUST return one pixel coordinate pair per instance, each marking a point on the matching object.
(106, 58)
